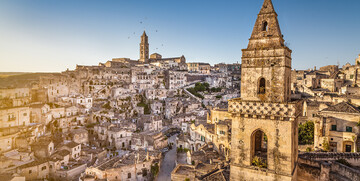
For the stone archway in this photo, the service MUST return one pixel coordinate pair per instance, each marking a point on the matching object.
(259, 151)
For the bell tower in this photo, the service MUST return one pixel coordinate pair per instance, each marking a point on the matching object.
(144, 48)
(266, 62)
(264, 140)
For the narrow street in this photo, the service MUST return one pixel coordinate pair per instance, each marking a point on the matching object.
(168, 164)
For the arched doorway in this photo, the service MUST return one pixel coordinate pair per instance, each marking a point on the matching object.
(259, 142)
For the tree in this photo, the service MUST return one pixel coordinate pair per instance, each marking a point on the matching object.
(306, 133)
(155, 169)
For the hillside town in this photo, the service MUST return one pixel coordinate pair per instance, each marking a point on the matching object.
(168, 118)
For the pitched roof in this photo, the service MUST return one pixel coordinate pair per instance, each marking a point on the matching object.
(71, 144)
(343, 107)
(215, 175)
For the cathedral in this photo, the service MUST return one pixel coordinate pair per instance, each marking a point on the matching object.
(264, 140)
(156, 58)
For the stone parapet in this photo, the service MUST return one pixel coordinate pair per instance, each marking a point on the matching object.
(329, 156)
(265, 110)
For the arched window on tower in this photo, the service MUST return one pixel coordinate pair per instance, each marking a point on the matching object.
(262, 88)
(259, 142)
(265, 26)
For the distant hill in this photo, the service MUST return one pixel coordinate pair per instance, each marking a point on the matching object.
(20, 79)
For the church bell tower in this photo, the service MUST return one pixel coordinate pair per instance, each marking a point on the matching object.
(266, 62)
(264, 140)
(144, 48)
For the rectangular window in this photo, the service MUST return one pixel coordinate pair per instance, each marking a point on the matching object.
(348, 129)
(333, 127)
(351, 76)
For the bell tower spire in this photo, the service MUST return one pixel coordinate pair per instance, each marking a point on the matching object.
(267, 7)
(264, 120)
(266, 26)
(144, 48)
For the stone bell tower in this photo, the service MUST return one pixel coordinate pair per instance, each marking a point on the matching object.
(144, 48)
(266, 62)
(264, 140)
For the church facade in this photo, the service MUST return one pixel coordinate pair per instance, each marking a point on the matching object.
(264, 140)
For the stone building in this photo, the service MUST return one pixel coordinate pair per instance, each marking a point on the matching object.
(73, 148)
(130, 167)
(196, 67)
(144, 48)
(221, 67)
(264, 121)
(40, 113)
(338, 128)
(352, 74)
(80, 136)
(331, 84)
(14, 97)
(16, 116)
(175, 79)
(43, 148)
(56, 85)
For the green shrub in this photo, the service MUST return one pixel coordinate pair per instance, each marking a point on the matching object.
(308, 149)
(155, 169)
(306, 133)
(259, 162)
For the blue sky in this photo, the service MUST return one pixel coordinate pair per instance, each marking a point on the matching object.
(50, 36)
